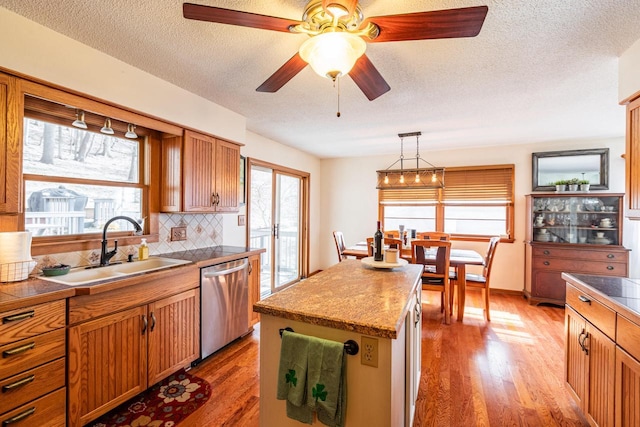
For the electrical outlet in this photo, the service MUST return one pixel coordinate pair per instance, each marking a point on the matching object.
(369, 351)
(178, 234)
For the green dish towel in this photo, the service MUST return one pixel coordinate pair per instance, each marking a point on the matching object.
(312, 377)
(326, 381)
(292, 376)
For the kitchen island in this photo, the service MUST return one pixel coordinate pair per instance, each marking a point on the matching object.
(350, 301)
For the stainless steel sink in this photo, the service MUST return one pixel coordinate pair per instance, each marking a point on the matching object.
(83, 276)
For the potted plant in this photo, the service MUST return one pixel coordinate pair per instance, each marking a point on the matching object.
(560, 184)
(584, 184)
(573, 184)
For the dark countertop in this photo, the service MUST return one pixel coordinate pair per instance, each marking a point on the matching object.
(349, 296)
(15, 295)
(622, 293)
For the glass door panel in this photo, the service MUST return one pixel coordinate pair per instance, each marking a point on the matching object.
(261, 221)
(287, 242)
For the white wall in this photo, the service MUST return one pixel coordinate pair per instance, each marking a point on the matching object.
(628, 74)
(349, 198)
(37, 51)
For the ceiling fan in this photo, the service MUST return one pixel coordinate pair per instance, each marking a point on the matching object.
(338, 35)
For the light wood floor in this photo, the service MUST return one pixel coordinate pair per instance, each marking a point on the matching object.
(507, 372)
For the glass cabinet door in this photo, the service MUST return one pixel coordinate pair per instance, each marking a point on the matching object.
(577, 219)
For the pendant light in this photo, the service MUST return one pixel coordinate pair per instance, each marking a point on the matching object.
(131, 131)
(106, 129)
(79, 121)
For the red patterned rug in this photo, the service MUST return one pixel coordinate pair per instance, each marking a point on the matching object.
(165, 404)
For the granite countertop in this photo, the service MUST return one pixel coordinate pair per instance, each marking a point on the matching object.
(622, 292)
(205, 257)
(349, 296)
(33, 291)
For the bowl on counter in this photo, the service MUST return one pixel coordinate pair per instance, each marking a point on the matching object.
(56, 270)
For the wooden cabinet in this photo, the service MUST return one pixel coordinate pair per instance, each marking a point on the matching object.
(32, 343)
(200, 174)
(627, 379)
(254, 288)
(113, 356)
(571, 232)
(632, 159)
(10, 145)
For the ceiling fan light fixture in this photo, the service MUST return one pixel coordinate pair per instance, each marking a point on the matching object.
(337, 10)
(332, 54)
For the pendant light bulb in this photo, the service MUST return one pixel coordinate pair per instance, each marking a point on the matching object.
(434, 177)
(402, 179)
(386, 178)
(417, 177)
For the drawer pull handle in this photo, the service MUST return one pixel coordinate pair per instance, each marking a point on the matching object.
(609, 267)
(584, 299)
(18, 350)
(24, 381)
(16, 317)
(546, 252)
(21, 416)
(546, 263)
(611, 256)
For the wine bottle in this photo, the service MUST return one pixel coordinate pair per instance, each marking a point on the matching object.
(377, 239)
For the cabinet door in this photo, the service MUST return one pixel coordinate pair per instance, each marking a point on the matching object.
(171, 173)
(601, 354)
(627, 389)
(10, 148)
(174, 334)
(198, 173)
(254, 288)
(575, 369)
(227, 176)
(106, 364)
(632, 159)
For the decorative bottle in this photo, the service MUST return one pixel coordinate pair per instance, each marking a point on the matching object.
(377, 240)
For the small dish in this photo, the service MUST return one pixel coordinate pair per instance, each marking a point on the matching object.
(56, 270)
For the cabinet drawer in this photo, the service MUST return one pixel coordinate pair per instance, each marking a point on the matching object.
(628, 336)
(599, 315)
(30, 321)
(577, 254)
(28, 353)
(582, 266)
(47, 411)
(28, 385)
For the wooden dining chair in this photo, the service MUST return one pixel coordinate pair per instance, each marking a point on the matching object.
(481, 280)
(387, 242)
(391, 234)
(338, 237)
(435, 275)
(433, 235)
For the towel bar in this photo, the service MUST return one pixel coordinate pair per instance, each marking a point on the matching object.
(350, 347)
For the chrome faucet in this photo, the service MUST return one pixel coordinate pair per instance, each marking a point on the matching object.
(105, 255)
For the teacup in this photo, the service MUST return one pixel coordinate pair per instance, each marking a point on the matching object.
(543, 231)
(605, 222)
(600, 234)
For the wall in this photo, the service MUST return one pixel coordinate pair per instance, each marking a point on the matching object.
(628, 75)
(37, 51)
(349, 198)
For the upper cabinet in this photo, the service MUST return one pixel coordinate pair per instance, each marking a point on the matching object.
(632, 157)
(200, 174)
(10, 144)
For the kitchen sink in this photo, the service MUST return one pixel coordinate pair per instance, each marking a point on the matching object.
(84, 276)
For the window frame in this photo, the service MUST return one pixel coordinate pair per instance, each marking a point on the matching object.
(153, 130)
(439, 199)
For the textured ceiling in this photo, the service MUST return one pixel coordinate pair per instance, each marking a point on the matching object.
(539, 70)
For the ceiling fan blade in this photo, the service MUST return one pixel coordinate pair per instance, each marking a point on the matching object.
(235, 17)
(285, 73)
(438, 24)
(368, 79)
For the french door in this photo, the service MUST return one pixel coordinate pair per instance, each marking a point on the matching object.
(278, 218)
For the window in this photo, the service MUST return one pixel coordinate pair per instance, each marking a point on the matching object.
(475, 202)
(75, 179)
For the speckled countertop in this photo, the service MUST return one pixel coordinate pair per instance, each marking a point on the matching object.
(349, 296)
(622, 293)
(205, 257)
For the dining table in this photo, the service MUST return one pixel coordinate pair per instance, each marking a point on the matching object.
(459, 260)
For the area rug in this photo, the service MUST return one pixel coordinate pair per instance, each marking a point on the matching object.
(165, 404)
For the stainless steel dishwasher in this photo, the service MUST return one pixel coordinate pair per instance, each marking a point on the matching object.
(224, 307)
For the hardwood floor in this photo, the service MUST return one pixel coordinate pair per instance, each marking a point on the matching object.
(508, 372)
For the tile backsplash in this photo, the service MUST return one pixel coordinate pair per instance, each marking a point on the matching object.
(203, 230)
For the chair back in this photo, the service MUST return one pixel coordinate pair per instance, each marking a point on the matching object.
(391, 234)
(488, 260)
(440, 263)
(433, 235)
(389, 242)
(338, 237)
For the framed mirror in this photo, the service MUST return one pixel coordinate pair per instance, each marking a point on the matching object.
(551, 166)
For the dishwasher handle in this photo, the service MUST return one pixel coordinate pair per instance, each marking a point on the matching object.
(217, 273)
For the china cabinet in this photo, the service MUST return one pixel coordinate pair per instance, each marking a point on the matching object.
(571, 232)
